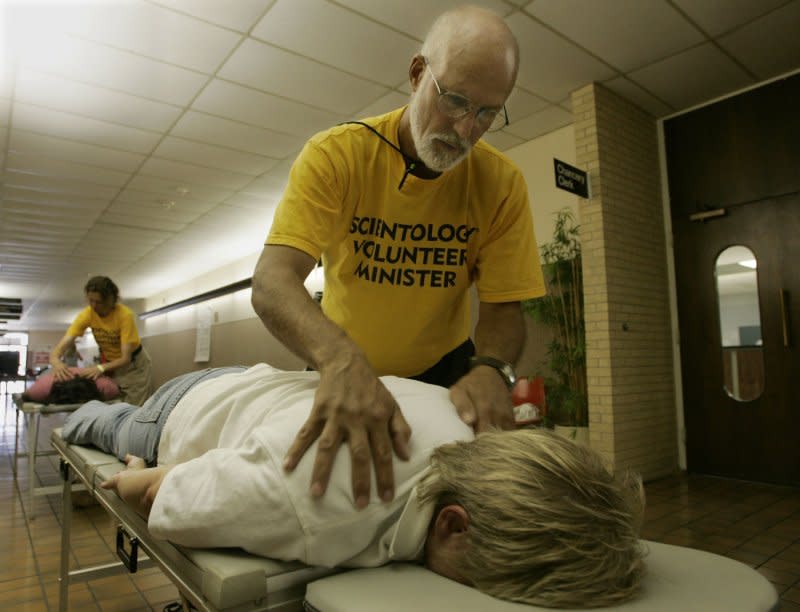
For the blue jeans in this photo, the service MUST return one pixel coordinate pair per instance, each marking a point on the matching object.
(122, 428)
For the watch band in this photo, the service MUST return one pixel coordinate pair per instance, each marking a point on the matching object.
(503, 368)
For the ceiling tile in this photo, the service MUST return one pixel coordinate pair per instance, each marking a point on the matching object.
(115, 236)
(171, 188)
(225, 214)
(182, 208)
(56, 148)
(56, 168)
(167, 210)
(116, 217)
(58, 186)
(77, 205)
(298, 78)
(271, 182)
(638, 96)
(338, 37)
(522, 103)
(769, 46)
(152, 31)
(5, 110)
(257, 202)
(705, 74)
(502, 140)
(550, 66)
(81, 129)
(625, 34)
(17, 217)
(240, 15)
(236, 102)
(114, 254)
(236, 135)
(193, 174)
(97, 64)
(415, 18)
(717, 17)
(202, 154)
(384, 104)
(542, 122)
(6, 80)
(61, 94)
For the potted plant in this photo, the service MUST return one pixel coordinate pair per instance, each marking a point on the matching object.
(562, 311)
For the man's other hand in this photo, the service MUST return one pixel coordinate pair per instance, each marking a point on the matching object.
(483, 400)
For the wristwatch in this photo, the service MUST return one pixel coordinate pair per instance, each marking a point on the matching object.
(503, 368)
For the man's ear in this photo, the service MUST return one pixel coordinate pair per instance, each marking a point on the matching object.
(447, 542)
(416, 70)
(451, 524)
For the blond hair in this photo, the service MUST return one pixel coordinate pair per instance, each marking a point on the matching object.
(548, 524)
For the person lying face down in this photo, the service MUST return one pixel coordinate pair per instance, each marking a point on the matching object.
(524, 515)
(75, 390)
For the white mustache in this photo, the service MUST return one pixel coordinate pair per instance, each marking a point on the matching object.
(453, 141)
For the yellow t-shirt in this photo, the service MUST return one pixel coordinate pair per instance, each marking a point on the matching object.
(399, 263)
(110, 332)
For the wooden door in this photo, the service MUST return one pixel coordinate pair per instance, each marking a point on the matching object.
(740, 155)
(756, 439)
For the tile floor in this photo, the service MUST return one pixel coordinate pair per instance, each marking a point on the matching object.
(755, 523)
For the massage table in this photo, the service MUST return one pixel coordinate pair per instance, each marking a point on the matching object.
(32, 412)
(231, 580)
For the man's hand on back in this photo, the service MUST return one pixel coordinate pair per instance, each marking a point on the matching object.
(353, 405)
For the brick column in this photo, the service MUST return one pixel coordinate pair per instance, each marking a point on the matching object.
(628, 336)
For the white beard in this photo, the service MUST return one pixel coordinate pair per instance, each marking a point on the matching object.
(436, 156)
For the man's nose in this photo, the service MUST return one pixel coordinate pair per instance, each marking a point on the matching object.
(465, 125)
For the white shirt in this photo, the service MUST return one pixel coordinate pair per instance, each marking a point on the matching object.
(227, 439)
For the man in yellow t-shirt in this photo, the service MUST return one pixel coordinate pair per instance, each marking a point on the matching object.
(407, 211)
(114, 328)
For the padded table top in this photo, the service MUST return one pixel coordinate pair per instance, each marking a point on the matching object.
(226, 578)
(677, 579)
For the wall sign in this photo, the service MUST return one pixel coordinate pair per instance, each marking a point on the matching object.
(572, 179)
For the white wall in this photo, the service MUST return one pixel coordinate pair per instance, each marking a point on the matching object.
(535, 159)
(225, 309)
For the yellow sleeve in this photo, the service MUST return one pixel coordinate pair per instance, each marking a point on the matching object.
(80, 323)
(311, 204)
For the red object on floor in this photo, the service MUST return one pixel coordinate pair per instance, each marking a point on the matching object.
(530, 391)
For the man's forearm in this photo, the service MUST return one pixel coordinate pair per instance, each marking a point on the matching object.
(500, 331)
(282, 303)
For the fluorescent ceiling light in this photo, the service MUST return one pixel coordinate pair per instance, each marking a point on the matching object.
(749, 263)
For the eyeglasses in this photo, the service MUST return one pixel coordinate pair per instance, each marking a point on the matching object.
(456, 106)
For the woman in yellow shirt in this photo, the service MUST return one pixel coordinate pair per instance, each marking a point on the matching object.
(114, 327)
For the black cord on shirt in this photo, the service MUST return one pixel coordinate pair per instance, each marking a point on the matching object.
(411, 164)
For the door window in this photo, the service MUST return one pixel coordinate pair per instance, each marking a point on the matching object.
(736, 272)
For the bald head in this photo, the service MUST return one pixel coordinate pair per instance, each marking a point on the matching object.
(474, 40)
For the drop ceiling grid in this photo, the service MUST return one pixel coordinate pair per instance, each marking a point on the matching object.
(219, 97)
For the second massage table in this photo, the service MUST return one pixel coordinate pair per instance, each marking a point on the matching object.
(678, 578)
